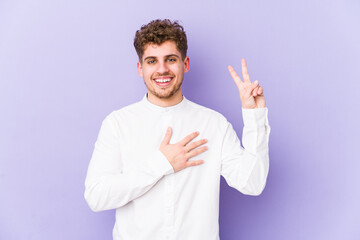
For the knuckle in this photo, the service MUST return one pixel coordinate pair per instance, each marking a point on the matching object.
(190, 146)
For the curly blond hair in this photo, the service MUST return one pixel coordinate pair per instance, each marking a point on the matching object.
(159, 31)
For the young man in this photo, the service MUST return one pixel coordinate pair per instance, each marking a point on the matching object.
(158, 161)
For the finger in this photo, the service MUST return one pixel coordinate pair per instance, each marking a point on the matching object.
(167, 136)
(193, 163)
(245, 73)
(195, 152)
(236, 77)
(254, 92)
(189, 138)
(260, 90)
(254, 85)
(194, 145)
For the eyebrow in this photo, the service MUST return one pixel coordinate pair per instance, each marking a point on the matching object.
(167, 56)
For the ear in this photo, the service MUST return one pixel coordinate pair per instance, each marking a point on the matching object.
(139, 68)
(186, 64)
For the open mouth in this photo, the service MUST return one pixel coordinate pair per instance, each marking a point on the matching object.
(163, 81)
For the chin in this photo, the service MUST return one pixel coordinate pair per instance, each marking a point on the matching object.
(164, 96)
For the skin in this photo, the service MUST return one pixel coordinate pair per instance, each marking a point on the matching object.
(163, 61)
(251, 93)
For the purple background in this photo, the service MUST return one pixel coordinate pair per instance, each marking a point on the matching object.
(65, 65)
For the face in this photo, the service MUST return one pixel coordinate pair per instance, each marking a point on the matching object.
(163, 69)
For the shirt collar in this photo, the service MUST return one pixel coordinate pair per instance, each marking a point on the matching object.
(157, 108)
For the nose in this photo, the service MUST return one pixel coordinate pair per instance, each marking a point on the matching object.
(163, 68)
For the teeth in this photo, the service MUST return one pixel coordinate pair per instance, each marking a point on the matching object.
(163, 80)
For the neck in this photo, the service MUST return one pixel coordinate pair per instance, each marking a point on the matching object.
(166, 102)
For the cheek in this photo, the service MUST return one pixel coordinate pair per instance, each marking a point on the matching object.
(146, 74)
(176, 70)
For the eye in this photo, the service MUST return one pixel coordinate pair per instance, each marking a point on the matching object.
(171, 59)
(151, 61)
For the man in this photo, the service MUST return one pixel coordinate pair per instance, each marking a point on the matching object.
(158, 161)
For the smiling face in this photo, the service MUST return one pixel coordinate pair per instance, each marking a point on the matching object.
(163, 71)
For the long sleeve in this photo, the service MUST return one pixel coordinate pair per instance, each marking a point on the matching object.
(107, 186)
(246, 169)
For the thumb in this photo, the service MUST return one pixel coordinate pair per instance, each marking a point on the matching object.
(254, 84)
(252, 87)
(167, 137)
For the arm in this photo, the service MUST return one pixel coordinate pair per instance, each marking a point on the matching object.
(107, 186)
(246, 169)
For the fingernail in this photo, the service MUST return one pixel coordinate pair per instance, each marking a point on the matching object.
(168, 129)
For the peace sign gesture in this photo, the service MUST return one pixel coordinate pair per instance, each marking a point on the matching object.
(251, 93)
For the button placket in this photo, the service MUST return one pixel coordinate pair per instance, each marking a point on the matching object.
(166, 119)
(169, 187)
(169, 201)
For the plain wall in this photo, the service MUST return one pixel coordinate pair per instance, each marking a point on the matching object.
(65, 65)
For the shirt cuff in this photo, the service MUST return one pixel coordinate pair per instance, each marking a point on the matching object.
(255, 117)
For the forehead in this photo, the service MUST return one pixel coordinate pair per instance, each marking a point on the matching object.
(164, 49)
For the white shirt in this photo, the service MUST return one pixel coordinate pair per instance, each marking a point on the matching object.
(127, 171)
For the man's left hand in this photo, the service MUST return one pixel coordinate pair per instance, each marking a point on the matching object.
(251, 93)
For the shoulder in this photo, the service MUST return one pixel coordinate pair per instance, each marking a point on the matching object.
(207, 112)
(118, 115)
(126, 110)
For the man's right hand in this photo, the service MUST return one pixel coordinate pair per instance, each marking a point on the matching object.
(179, 153)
